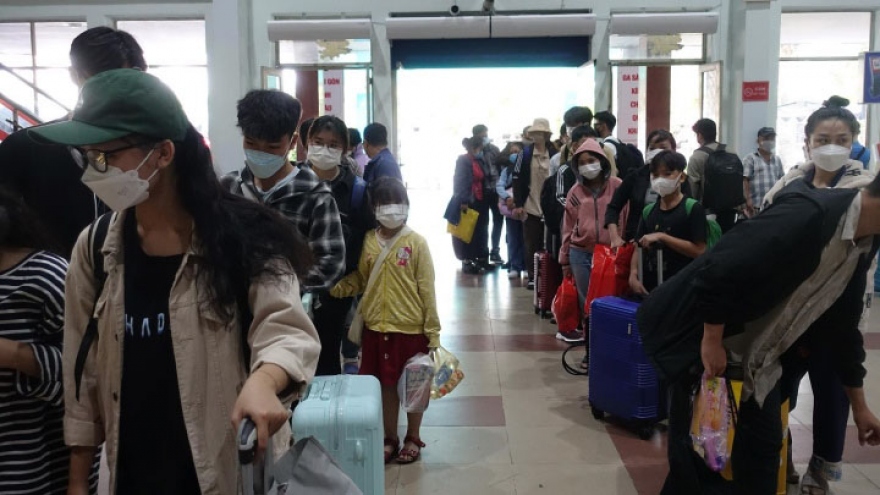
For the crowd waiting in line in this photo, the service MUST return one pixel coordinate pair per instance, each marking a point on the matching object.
(121, 251)
(586, 189)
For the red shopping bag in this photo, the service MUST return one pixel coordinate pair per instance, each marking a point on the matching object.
(565, 307)
(610, 275)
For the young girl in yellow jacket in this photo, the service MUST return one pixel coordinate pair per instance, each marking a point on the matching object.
(399, 311)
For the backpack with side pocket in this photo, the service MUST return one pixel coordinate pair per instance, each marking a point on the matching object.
(713, 229)
(629, 157)
(722, 179)
(96, 237)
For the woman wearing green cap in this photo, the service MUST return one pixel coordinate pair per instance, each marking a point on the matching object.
(198, 322)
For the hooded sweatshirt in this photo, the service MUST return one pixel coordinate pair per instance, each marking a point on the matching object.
(583, 223)
(308, 203)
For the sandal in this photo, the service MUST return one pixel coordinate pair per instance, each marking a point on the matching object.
(394, 443)
(409, 456)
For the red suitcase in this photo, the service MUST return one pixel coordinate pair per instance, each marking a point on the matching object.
(548, 278)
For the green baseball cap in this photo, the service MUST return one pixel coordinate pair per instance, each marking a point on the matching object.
(118, 103)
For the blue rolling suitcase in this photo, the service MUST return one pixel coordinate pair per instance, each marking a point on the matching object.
(344, 413)
(623, 382)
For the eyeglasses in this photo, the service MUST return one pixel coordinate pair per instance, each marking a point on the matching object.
(99, 160)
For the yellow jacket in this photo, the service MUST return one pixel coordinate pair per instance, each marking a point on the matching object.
(402, 299)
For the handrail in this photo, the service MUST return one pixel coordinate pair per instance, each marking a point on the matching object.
(18, 110)
(31, 85)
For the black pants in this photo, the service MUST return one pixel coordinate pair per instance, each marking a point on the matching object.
(533, 235)
(330, 315)
(756, 446)
(478, 249)
(497, 221)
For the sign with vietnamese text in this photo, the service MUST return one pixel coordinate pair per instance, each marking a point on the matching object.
(334, 93)
(628, 104)
(756, 91)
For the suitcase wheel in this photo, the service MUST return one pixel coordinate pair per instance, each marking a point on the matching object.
(598, 414)
(646, 431)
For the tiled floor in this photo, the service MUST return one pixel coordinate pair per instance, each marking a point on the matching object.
(519, 424)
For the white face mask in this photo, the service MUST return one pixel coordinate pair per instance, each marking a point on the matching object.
(392, 216)
(665, 186)
(117, 189)
(649, 156)
(324, 157)
(768, 146)
(590, 171)
(830, 157)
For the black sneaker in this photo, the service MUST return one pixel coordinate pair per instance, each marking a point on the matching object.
(495, 259)
(530, 285)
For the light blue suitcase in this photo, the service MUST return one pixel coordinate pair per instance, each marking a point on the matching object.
(344, 413)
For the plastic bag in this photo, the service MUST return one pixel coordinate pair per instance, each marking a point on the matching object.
(447, 373)
(610, 273)
(712, 421)
(465, 228)
(414, 386)
(565, 307)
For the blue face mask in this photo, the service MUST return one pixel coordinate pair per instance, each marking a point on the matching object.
(485, 141)
(512, 158)
(264, 165)
(479, 154)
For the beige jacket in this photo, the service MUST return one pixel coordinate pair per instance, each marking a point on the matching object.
(209, 377)
(855, 177)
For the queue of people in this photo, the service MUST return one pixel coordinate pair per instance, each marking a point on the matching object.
(147, 255)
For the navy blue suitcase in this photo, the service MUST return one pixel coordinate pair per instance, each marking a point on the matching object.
(623, 382)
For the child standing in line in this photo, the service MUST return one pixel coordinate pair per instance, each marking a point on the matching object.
(399, 308)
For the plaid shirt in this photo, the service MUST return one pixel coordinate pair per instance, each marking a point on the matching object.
(762, 175)
(309, 204)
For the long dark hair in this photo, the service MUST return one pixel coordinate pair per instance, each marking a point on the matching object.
(833, 108)
(103, 48)
(20, 228)
(240, 240)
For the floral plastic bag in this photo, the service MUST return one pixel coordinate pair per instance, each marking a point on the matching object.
(711, 422)
(447, 373)
(414, 386)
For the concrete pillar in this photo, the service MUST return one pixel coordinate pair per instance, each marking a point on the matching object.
(383, 79)
(760, 39)
(659, 97)
(307, 93)
(229, 78)
(599, 51)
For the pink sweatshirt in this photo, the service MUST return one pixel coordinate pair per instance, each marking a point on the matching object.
(583, 223)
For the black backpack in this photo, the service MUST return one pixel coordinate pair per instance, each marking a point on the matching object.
(629, 157)
(722, 179)
(97, 236)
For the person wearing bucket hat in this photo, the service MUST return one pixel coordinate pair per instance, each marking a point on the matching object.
(582, 226)
(529, 173)
(47, 177)
(206, 275)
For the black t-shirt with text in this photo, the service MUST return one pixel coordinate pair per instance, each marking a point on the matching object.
(154, 451)
(676, 223)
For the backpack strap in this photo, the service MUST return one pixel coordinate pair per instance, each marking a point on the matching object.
(861, 154)
(689, 205)
(97, 236)
(646, 212)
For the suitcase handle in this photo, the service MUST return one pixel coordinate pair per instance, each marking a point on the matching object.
(254, 474)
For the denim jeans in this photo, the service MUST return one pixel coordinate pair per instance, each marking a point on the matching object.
(516, 247)
(581, 262)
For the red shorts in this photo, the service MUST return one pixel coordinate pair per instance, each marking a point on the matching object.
(384, 355)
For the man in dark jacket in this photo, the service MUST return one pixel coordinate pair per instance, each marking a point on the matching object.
(798, 268)
(382, 162)
(490, 157)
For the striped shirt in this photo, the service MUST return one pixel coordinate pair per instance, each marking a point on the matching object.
(33, 457)
(762, 175)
